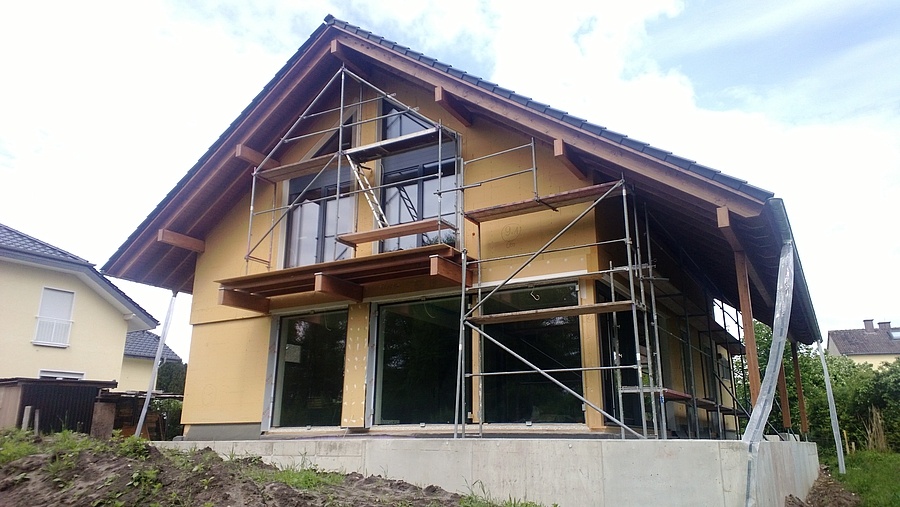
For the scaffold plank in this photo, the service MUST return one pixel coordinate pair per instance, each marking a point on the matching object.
(548, 313)
(567, 198)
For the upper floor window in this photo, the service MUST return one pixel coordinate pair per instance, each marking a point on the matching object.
(412, 181)
(54, 320)
(321, 213)
(320, 216)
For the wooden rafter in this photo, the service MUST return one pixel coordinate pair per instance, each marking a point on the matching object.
(248, 154)
(571, 161)
(453, 106)
(180, 240)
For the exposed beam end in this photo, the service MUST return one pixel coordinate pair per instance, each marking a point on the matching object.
(248, 154)
(180, 240)
(326, 284)
(454, 106)
(572, 162)
(448, 270)
(247, 301)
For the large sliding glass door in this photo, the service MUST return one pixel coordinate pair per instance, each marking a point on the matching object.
(310, 376)
(416, 370)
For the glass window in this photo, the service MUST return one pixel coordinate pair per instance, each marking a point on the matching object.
(318, 218)
(418, 344)
(310, 381)
(553, 343)
(410, 181)
(54, 321)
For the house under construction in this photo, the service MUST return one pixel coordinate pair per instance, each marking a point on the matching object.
(381, 244)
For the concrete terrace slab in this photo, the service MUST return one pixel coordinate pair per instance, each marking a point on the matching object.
(568, 472)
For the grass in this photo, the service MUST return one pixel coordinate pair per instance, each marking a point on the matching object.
(300, 478)
(871, 475)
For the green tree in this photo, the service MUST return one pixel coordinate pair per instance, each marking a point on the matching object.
(856, 387)
(170, 377)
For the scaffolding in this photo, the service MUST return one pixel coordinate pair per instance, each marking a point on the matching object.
(632, 285)
(352, 158)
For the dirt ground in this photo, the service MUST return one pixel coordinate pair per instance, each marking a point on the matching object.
(202, 479)
(826, 492)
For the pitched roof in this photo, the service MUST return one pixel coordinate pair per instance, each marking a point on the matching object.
(682, 195)
(12, 239)
(19, 247)
(854, 342)
(143, 344)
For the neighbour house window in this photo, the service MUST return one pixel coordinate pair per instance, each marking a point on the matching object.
(61, 375)
(54, 320)
(411, 179)
(310, 376)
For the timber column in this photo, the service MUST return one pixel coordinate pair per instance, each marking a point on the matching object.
(743, 284)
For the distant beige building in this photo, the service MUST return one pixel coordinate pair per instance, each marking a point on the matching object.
(59, 317)
(137, 363)
(875, 345)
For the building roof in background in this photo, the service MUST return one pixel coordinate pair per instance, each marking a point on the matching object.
(143, 344)
(867, 341)
(21, 248)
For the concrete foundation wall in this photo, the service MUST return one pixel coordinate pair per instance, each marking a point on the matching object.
(568, 472)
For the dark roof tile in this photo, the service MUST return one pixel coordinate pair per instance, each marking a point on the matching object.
(851, 342)
(634, 144)
(612, 135)
(702, 170)
(143, 344)
(679, 161)
(597, 130)
(656, 152)
(14, 240)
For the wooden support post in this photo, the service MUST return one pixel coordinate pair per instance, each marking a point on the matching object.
(798, 383)
(740, 265)
(742, 268)
(783, 398)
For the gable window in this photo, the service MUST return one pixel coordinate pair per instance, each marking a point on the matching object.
(411, 180)
(54, 320)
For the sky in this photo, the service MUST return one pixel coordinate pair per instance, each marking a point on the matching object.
(105, 105)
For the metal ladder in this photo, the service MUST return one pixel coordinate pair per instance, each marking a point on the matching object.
(369, 192)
